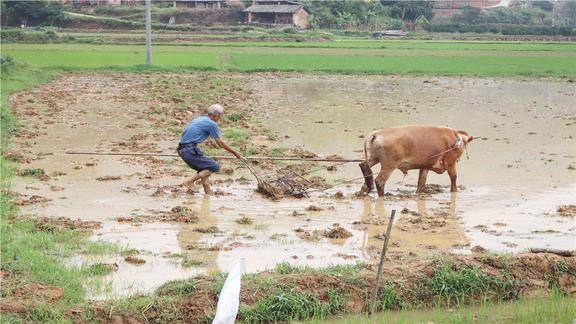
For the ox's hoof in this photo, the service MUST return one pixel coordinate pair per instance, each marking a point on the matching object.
(364, 190)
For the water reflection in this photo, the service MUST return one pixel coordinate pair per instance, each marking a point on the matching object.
(437, 228)
(191, 239)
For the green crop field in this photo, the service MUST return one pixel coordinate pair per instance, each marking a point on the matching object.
(392, 57)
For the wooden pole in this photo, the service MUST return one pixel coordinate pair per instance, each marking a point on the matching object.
(381, 265)
(148, 32)
(223, 157)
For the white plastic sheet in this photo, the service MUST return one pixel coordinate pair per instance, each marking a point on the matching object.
(229, 300)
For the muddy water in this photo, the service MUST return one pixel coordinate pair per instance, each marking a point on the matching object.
(508, 181)
(518, 172)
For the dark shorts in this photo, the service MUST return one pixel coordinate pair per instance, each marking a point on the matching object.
(195, 158)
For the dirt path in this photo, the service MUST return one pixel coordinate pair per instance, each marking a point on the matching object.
(142, 113)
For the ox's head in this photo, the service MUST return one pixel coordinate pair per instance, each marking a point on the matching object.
(465, 136)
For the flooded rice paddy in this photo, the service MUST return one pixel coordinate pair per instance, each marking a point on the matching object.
(520, 169)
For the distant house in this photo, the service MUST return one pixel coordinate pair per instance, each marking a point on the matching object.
(213, 4)
(100, 2)
(279, 12)
(448, 8)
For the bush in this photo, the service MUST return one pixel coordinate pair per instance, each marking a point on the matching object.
(456, 285)
(19, 35)
(286, 306)
(7, 64)
(505, 29)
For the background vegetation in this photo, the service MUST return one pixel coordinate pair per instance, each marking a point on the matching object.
(538, 17)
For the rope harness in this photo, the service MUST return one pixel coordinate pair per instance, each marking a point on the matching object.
(457, 145)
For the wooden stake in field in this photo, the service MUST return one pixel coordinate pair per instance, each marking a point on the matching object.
(148, 32)
(381, 265)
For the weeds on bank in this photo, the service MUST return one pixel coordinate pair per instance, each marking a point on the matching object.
(177, 287)
(29, 172)
(459, 285)
(29, 254)
(287, 305)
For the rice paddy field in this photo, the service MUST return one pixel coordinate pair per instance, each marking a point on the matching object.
(108, 239)
(345, 56)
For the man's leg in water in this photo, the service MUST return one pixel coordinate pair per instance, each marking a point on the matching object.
(206, 185)
(198, 176)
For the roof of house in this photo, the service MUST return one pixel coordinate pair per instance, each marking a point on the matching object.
(273, 8)
(200, 0)
(281, 2)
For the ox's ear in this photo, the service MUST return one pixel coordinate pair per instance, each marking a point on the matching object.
(470, 138)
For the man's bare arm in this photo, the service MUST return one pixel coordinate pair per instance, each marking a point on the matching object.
(225, 146)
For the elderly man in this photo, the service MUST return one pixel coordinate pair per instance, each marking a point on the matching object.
(196, 132)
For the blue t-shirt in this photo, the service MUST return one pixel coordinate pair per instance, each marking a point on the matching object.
(199, 129)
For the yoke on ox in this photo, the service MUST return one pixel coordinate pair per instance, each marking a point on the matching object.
(412, 147)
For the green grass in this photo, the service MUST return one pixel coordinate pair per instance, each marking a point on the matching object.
(286, 305)
(457, 285)
(86, 59)
(177, 287)
(28, 253)
(99, 269)
(429, 65)
(358, 57)
(405, 44)
(556, 308)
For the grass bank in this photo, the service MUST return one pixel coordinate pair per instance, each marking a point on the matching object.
(40, 286)
(37, 283)
(446, 286)
(555, 308)
(357, 57)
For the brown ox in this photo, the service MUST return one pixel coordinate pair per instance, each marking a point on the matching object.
(412, 147)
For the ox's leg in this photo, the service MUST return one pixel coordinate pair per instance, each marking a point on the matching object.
(381, 179)
(365, 167)
(422, 180)
(451, 168)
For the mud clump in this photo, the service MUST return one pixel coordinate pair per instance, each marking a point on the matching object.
(14, 156)
(478, 249)
(108, 178)
(34, 173)
(178, 214)
(134, 260)
(433, 189)
(567, 210)
(47, 224)
(338, 195)
(9, 305)
(32, 200)
(245, 220)
(308, 235)
(336, 232)
(37, 290)
(302, 153)
(207, 230)
(313, 208)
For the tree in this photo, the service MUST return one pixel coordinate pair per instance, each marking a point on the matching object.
(410, 10)
(469, 15)
(17, 13)
(570, 13)
(544, 5)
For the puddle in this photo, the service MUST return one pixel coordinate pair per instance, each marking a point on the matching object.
(518, 172)
(156, 241)
(513, 179)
